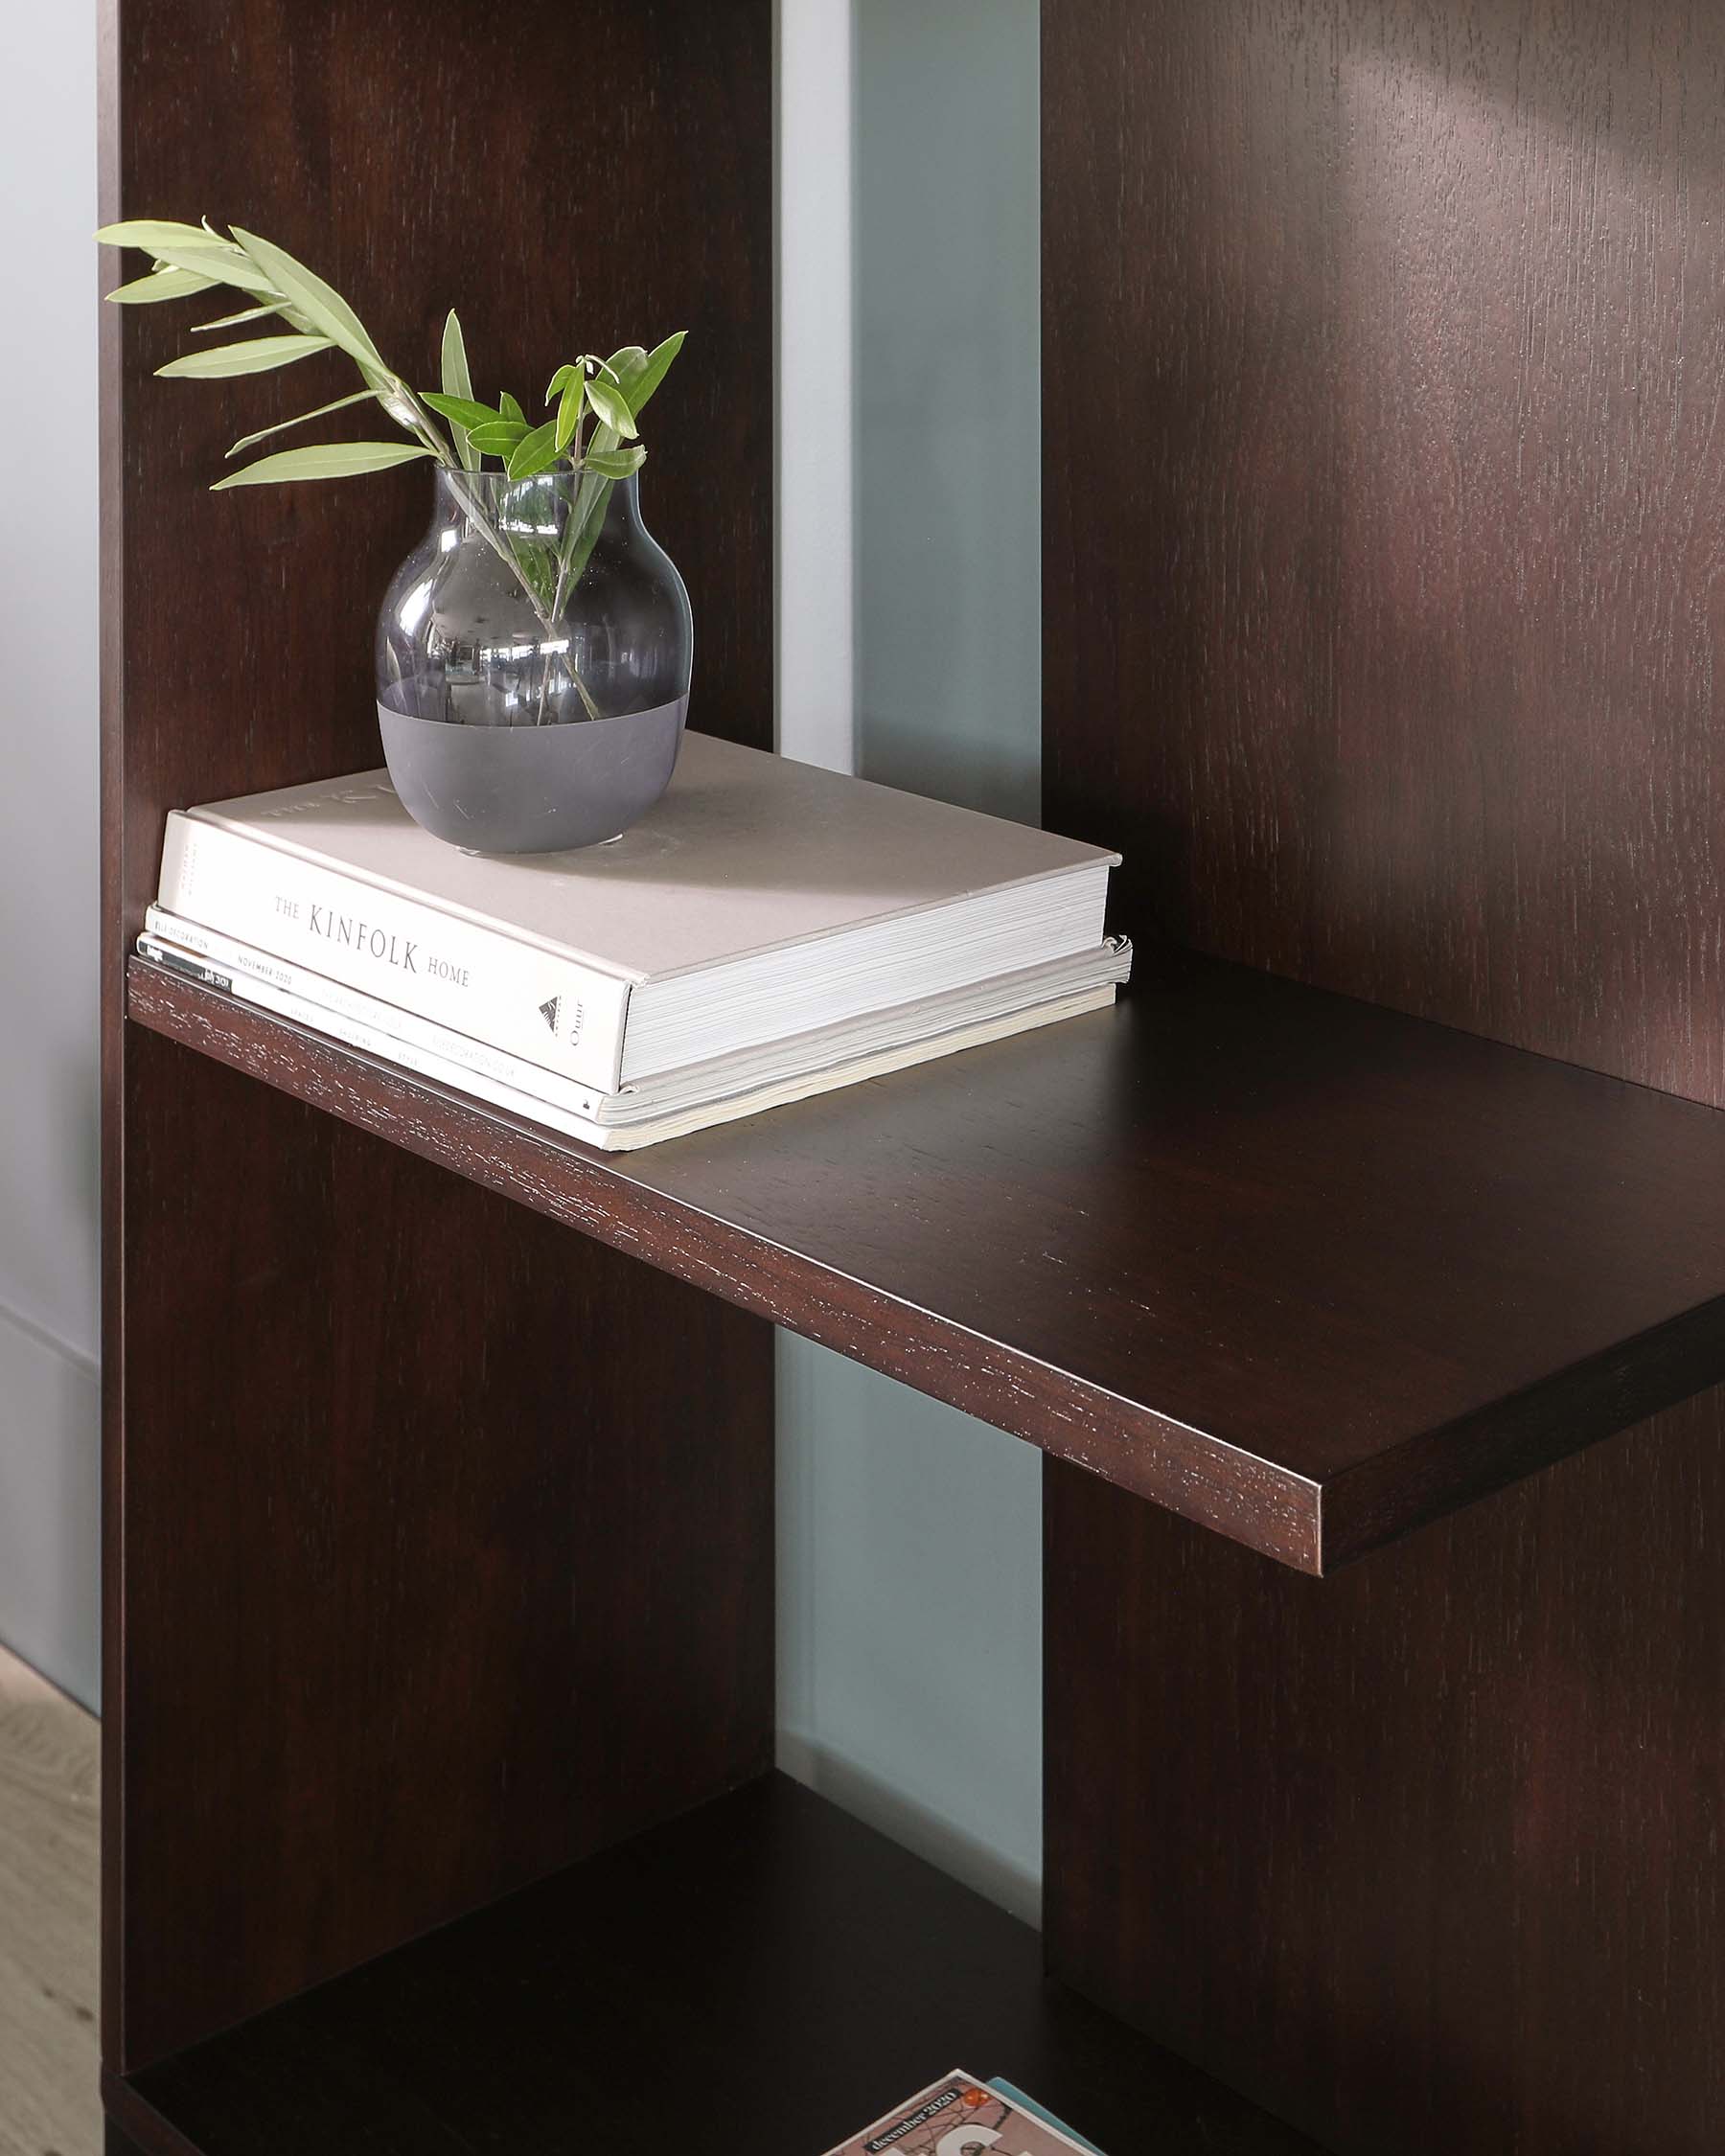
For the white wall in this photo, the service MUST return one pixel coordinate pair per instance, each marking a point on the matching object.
(48, 854)
(910, 1535)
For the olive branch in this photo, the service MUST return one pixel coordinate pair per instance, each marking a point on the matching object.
(591, 441)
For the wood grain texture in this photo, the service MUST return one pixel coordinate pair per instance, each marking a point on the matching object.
(391, 1626)
(1308, 1272)
(48, 1909)
(1425, 1857)
(447, 1549)
(1383, 598)
(1382, 611)
(766, 1974)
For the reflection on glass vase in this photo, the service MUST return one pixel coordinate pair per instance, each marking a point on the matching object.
(534, 657)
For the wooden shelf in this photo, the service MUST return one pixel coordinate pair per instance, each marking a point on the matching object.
(1297, 1267)
(766, 1968)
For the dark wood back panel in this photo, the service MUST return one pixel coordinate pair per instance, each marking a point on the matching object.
(447, 1538)
(394, 1622)
(1385, 358)
(1423, 1857)
(566, 178)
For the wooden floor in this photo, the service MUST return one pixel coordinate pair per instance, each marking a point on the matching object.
(48, 1841)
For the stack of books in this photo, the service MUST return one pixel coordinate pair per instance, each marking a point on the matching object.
(961, 2115)
(771, 931)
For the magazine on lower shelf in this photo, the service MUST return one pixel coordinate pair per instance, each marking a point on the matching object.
(1042, 2112)
(961, 2115)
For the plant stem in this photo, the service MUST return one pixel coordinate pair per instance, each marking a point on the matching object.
(564, 549)
(433, 437)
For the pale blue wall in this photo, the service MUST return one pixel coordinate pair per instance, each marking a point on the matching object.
(949, 400)
(910, 1536)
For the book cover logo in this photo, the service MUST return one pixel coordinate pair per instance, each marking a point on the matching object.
(552, 1010)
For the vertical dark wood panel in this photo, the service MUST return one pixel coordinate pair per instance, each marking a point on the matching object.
(1424, 1856)
(437, 1544)
(447, 1548)
(1382, 611)
(1383, 594)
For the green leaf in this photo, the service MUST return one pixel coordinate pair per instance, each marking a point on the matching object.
(462, 411)
(588, 518)
(458, 383)
(497, 437)
(568, 408)
(589, 503)
(150, 233)
(534, 452)
(250, 357)
(536, 566)
(561, 381)
(322, 306)
(510, 409)
(232, 321)
(615, 464)
(160, 285)
(246, 440)
(327, 460)
(221, 264)
(640, 375)
(612, 406)
(586, 523)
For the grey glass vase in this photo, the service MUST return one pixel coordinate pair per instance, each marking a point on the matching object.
(534, 659)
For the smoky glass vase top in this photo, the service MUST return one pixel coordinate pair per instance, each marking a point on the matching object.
(539, 601)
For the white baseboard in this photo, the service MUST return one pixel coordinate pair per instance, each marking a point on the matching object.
(50, 1507)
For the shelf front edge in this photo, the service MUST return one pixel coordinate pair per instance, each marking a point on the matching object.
(1409, 1485)
(1313, 1523)
(1220, 1486)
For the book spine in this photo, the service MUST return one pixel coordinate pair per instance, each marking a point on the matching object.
(317, 990)
(370, 1040)
(552, 1012)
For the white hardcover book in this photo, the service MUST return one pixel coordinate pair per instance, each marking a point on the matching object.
(679, 1122)
(695, 1082)
(227, 961)
(760, 899)
(547, 1009)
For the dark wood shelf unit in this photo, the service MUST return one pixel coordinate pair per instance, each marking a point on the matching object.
(1380, 485)
(1299, 1267)
(752, 1976)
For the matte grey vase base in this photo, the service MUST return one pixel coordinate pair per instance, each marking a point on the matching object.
(530, 789)
(475, 853)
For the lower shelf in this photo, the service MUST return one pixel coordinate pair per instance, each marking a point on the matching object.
(763, 1977)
